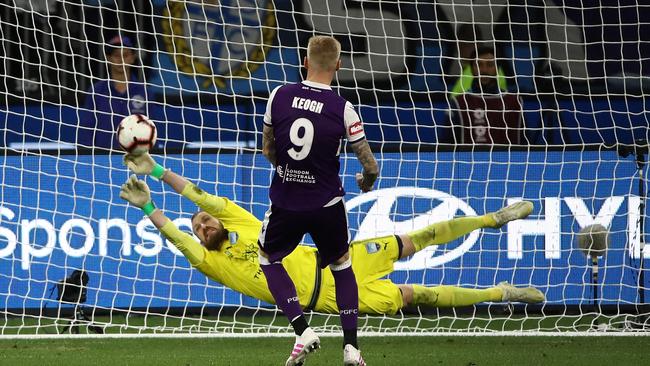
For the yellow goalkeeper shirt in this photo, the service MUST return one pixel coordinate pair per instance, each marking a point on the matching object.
(235, 264)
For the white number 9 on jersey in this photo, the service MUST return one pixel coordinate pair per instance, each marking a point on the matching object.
(304, 142)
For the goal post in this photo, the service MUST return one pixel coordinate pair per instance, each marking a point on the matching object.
(576, 93)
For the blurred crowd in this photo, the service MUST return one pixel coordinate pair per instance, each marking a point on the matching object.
(104, 50)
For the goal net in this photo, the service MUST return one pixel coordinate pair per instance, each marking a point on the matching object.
(556, 115)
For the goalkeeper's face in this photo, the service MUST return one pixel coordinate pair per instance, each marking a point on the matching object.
(209, 230)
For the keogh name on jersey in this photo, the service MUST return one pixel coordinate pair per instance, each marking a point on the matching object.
(307, 104)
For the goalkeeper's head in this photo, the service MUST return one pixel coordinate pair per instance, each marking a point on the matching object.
(323, 54)
(209, 230)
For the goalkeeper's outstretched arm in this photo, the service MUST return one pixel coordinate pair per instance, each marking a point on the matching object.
(144, 164)
(137, 193)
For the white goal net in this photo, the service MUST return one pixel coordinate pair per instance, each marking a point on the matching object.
(468, 105)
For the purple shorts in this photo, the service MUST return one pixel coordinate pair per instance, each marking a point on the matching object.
(282, 231)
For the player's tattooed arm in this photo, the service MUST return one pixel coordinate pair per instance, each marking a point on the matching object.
(366, 180)
(268, 144)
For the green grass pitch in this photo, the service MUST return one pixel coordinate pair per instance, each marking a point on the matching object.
(443, 350)
(552, 350)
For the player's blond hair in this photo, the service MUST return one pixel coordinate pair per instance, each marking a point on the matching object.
(323, 52)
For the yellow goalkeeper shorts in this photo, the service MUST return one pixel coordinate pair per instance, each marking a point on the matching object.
(381, 297)
(372, 260)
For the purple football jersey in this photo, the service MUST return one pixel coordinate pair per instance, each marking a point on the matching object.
(309, 123)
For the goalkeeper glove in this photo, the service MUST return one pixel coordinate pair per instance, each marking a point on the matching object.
(137, 193)
(144, 164)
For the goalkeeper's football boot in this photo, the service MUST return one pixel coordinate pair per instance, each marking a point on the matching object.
(529, 295)
(352, 356)
(516, 211)
(305, 344)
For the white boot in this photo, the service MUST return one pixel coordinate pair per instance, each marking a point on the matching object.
(516, 211)
(529, 295)
(352, 356)
(305, 344)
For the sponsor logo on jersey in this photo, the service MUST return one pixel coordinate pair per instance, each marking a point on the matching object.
(216, 41)
(137, 102)
(378, 221)
(372, 247)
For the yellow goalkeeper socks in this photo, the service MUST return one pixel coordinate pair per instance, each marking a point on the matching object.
(452, 296)
(446, 231)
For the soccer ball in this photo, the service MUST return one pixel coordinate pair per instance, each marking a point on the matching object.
(136, 133)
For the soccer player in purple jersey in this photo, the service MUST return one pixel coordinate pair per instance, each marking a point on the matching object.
(304, 126)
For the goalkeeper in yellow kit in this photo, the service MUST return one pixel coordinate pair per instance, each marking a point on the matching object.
(228, 252)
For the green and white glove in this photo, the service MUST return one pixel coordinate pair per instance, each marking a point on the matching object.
(144, 164)
(137, 193)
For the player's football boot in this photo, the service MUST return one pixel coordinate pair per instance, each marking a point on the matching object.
(352, 356)
(305, 344)
(520, 294)
(516, 211)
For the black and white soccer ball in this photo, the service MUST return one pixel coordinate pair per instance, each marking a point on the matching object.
(136, 134)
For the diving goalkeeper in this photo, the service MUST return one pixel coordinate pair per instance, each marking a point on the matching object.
(228, 252)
